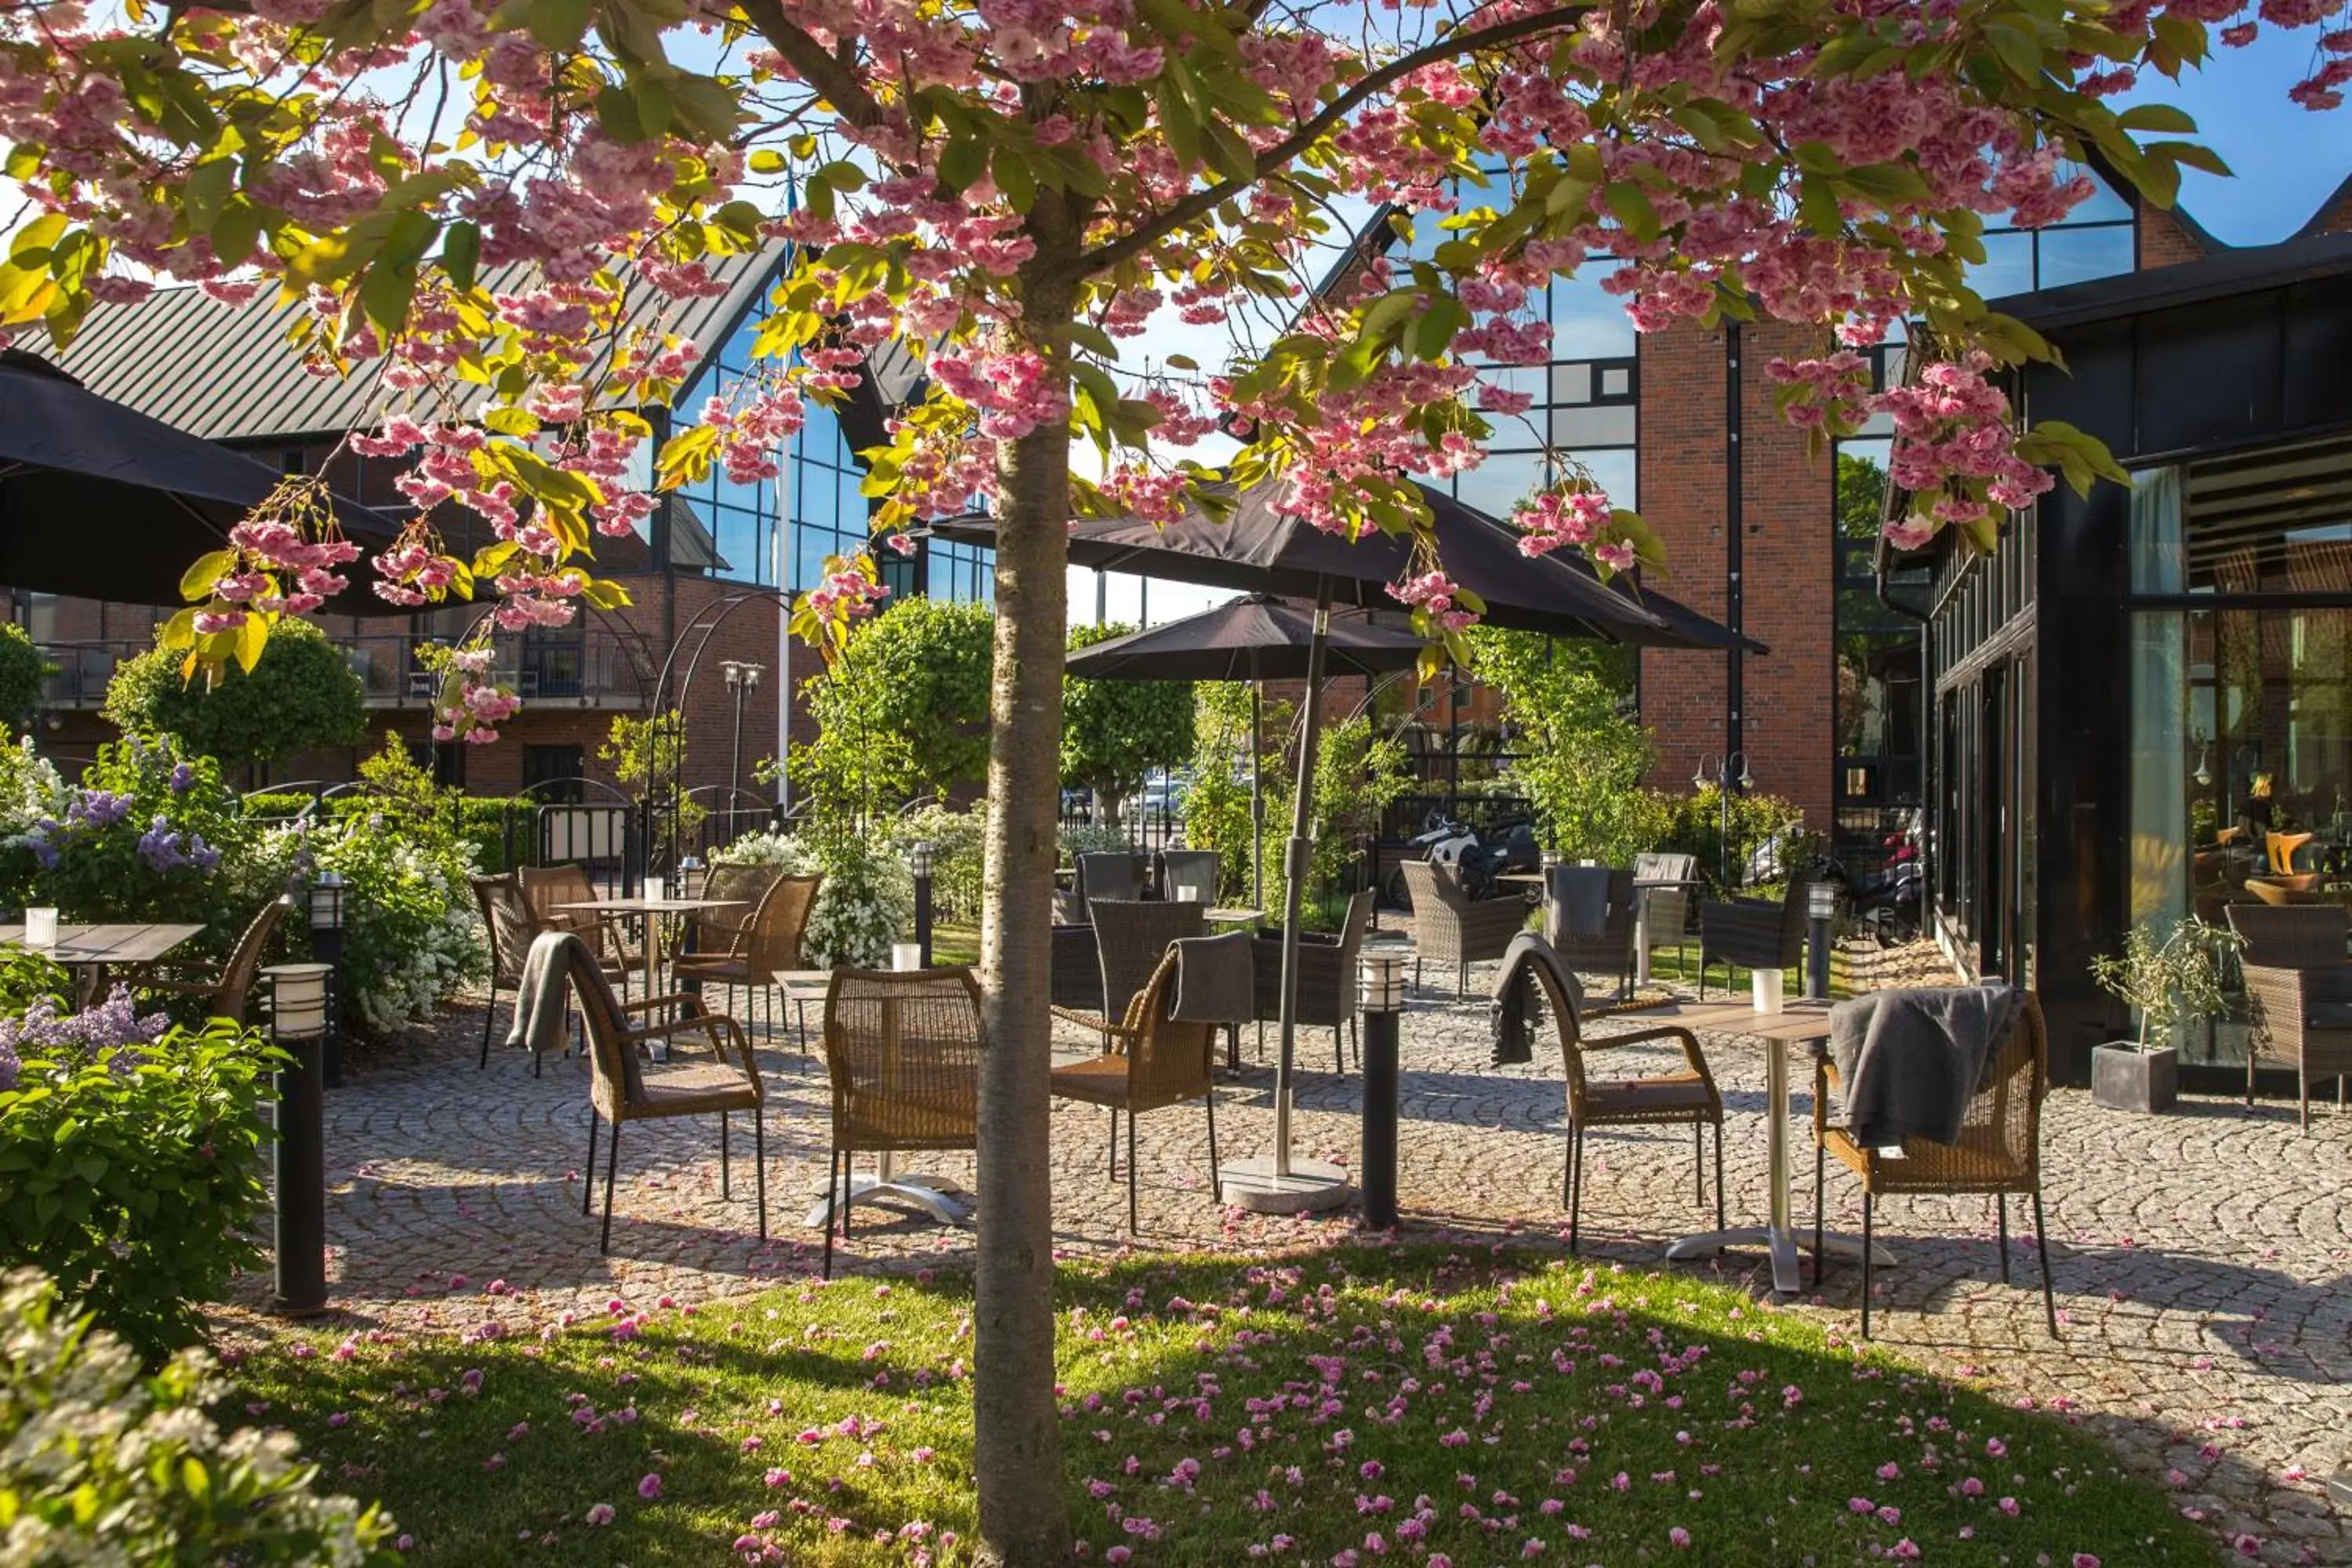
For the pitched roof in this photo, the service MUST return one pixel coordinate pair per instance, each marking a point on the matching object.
(2224, 275)
(224, 372)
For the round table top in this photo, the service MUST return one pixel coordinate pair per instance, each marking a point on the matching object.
(1228, 912)
(643, 906)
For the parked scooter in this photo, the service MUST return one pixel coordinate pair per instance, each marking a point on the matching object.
(1886, 900)
(1478, 859)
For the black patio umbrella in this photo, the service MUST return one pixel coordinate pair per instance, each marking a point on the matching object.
(100, 501)
(1256, 639)
(1260, 549)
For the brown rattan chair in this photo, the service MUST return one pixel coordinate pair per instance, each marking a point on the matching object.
(1669, 908)
(1654, 1100)
(1131, 936)
(622, 1089)
(1450, 926)
(2299, 988)
(511, 927)
(1327, 977)
(1752, 933)
(227, 992)
(547, 887)
(1999, 1152)
(902, 1054)
(1153, 1062)
(715, 930)
(1609, 950)
(1077, 968)
(762, 946)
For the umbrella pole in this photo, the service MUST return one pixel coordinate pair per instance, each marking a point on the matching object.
(1280, 1184)
(1257, 786)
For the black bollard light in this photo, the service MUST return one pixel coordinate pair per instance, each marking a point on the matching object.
(327, 947)
(1820, 906)
(919, 860)
(1379, 986)
(298, 1023)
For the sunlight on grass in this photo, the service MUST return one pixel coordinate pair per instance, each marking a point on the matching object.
(1434, 1406)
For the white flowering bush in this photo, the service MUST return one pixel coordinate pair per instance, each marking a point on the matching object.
(868, 901)
(30, 789)
(411, 934)
(100, 1464)
(1093, 838)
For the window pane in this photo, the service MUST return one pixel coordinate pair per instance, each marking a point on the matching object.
(2008, 266)
(2078, 255)
(1614, 471)
(1586, 322)
(1610, 426)
(1499, 483)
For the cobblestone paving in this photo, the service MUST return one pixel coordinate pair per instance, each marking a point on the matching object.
(2200, 1258)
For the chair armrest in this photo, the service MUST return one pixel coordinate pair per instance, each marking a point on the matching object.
(1691, 1056)
(696, 1007)
(717, 1029)
(172, 987)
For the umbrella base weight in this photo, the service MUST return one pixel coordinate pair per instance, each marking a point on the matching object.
(1308, 1187)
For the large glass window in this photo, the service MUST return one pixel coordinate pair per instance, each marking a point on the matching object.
(2095, 240)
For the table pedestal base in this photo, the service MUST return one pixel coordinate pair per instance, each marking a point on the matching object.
(938, 1196)
(1308, 1187)
(1787, 1277)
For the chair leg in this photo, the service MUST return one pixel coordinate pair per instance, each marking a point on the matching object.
(1130, 1173)
(1718, 1175)
(723, 1193)
(1416, 974)
(833, 1185)
(1868, 1246)
(1114, 1143)
(1356, 1043)
(1575, 1181)
(612, 1164)
(760, 1165)
(2001, 1215)
(1461, 980)
(1698, 1162)
(1821, 1166)
(2042, 1246)
(2303, 1095)
(1216, 1180)
(489, 1016)
(588, 1177)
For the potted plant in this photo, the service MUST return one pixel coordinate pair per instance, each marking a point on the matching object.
(2166, 983)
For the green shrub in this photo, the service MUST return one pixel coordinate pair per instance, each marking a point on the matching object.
(958, 839)
(1217, 800)
(101, 1465)
(300, 694)
(134, 1161)
(277, 804)
(22, 671)
(1694, 824)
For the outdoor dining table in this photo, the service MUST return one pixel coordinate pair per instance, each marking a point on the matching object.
(646, 909)
(1800, 1022)
(90, 950)
(942, 1197)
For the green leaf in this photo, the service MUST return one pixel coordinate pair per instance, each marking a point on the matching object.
(1632, 204)
(963, 161)
(2018, 49)
(197, 582)
(461, 255)
(560, 24)
(517, 422)
(767, 161)
(1229, 154)
(1434, 333)
(1088, 336)
(2156, 117)
(1014, 177)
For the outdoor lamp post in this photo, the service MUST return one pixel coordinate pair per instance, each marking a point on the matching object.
(1820, 907)
(918, 860)
(1379, 989)
(327, 947)
(300, 996)
(1727, 770)
(742, 680)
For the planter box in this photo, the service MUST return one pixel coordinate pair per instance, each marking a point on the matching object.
(2125, 1077)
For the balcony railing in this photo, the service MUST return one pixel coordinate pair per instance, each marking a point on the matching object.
(594, 670)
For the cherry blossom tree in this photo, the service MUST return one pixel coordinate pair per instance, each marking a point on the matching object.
(1017, 191)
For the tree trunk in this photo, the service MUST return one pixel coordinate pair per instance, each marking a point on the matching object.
(1024, 1519)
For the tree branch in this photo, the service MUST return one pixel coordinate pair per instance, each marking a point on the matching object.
(1185, 209)
(830, 74)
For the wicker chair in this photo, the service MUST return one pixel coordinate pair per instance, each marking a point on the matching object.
(1448, 925)
(765, 944)
(1189, 869)
(2300, 989)
(902, 1052)
(2283, 847)
(1153, 1062)
(1668, 907)
(621, 1089)
(227, 992)
(1077, 968)
(1752, 933)
(548, 887)
(1109, 874)
(1327, 977)
(2302, 888)
(506, 917)
(1609, 951)
(715, 930)
(1132, 936)
(1999, 1152)
(1667, 1099)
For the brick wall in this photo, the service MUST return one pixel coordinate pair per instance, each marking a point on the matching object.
(1683, 472)
(2163, 241)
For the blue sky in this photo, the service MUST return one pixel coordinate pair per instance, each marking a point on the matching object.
(2286, 160)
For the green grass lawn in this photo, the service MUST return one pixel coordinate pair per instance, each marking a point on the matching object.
(1427, 1405)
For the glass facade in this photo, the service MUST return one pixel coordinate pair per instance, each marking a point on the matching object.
(2097, 239)
(778, 532)
(2241, 769)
